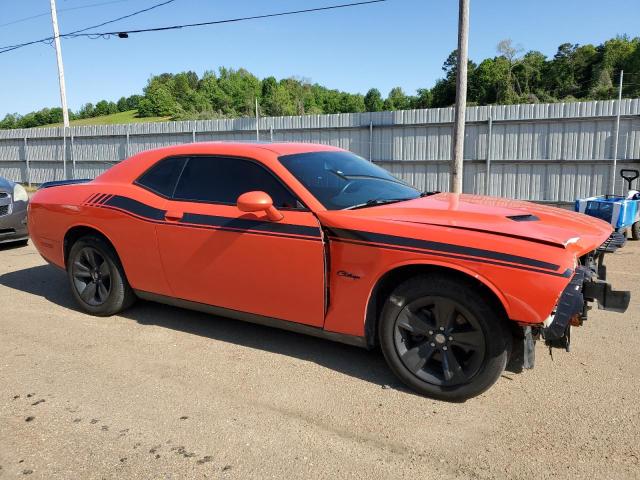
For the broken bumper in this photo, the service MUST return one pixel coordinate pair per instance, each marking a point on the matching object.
(587, 285)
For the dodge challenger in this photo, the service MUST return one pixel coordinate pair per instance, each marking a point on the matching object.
(317, 240)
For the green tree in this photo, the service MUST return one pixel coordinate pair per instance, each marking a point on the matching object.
(279, 102)
(570, 73)
(123, 106)
(239, 90)
(529, 74)
(9, 121)
(373, 101)
(86, 111)
(397, 100)
(424, 99)
(133, 101)
(104, 107)
(158, 100)
(490, 82)
(444, 91)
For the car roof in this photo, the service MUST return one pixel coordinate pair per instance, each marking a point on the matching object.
(131, 168)
(289, 148)
(279, 148)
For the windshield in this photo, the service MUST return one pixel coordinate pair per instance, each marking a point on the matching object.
(342, 180)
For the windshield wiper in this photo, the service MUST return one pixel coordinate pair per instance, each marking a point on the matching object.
(384, 201)
(355, 176)
(377, 201)
(338, 174)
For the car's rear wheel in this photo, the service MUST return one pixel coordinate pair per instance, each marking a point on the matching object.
(97, 278)
(443, 337)
(635, 231)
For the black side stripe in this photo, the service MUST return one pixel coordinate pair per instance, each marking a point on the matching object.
(138, 208)
(103, 200)
(91, 197)
(247, 224)
(98, 197)
(567, 273)
(417, 244)
(157, 215)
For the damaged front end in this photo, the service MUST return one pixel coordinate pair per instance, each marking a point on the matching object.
(587, 285)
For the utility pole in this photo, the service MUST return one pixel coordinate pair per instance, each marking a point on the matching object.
(616, 135)
(56, 41)
(461, 98)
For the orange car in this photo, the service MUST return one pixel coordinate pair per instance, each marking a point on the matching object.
(317, 240)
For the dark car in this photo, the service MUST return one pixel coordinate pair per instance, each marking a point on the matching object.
(13, 212)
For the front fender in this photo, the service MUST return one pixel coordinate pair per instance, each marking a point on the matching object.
(443, 266)
(527, 295)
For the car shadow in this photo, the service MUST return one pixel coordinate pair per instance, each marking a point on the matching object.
(12, 245)
(51, 283)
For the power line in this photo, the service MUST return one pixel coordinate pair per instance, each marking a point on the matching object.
(230, 20)
(122, 18)
(9, 48)
(69, 9)
(125, 33)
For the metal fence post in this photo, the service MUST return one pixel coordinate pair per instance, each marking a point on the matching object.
(26, 159)
(127, 147)
(73, 158)
(616, 136)
(487, 184)
(64, 153)
(271, 133)
(371, 141)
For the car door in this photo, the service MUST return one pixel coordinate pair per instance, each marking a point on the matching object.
(212, 253)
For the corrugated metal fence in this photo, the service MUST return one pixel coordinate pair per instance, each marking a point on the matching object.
(543, 152)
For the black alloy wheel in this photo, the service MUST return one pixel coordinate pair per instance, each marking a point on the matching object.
(444, 336)
(439, 341)
(91, 276)
(96, 277)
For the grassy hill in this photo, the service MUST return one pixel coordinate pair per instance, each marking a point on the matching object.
(129, 116)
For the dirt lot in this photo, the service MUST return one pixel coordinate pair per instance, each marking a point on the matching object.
(166, 393)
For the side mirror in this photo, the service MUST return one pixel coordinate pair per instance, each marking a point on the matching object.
(259, 202)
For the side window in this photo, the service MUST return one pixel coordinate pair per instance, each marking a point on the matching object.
(223, 180)
(162, 177)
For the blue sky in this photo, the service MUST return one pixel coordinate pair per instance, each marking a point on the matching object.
(397, 43)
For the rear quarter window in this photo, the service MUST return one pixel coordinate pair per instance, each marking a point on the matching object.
(163, 176)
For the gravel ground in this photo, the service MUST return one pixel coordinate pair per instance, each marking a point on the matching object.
(161, 392)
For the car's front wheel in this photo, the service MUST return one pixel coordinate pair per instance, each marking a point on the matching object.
(97, 278)
(443, 338)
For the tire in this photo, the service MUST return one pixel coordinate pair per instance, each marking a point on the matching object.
(443, 338)
(96, 277)
(635, 231)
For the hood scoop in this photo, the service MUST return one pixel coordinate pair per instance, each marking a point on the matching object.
(527, 217)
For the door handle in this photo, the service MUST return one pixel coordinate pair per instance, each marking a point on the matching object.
(173, 216)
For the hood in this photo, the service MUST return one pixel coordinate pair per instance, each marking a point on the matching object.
(499, 216)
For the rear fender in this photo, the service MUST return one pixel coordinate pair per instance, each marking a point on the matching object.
(85, 225)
